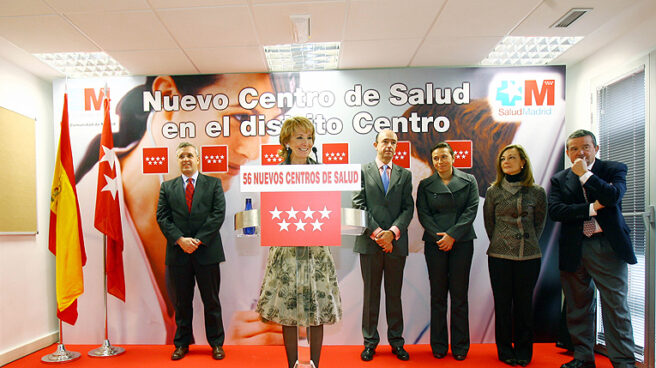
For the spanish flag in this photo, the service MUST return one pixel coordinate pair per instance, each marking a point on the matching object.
(65, 238)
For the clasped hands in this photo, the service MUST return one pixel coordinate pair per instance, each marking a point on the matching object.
(580, 167)
(446, 242)
(384, 240)
(188, 245)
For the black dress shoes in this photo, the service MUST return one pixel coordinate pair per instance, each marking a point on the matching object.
(523, 362)
(578, 364)
(510, 361)
(400, 353)
(367, 354)
(179, 352)
(460, 357)
(218, 353)
(439, 355)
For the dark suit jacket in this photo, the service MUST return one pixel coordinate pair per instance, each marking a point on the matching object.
(451, 210)
(384, 211)
(567, 205)
(203, 223)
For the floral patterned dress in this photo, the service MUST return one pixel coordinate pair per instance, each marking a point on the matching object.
(300, 287)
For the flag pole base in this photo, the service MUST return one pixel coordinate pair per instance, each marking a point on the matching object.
(106, 350)
(61, 355)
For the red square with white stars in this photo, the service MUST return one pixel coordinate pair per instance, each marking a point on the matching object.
(269, 154)
(335, 153)
(155, 160)
(300, 219)
(402, 154)
(214, 158)
(462, 152)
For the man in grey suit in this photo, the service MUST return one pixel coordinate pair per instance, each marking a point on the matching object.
(594, 250)
(386, 196)
(190, 212)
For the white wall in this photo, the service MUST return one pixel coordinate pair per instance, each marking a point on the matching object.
(636, 42)
(27, 290)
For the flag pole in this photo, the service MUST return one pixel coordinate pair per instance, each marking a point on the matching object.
(106, 349)
(61, 355)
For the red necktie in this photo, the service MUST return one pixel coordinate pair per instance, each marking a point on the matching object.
(588, 225)
(189, 193)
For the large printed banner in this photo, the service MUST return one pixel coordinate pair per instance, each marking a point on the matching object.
(235, 120)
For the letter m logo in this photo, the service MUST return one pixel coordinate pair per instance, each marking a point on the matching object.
(90, 98)
(532, 92)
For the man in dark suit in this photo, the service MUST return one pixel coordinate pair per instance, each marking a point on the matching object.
(595, 249)
(190, 212)
(386, 196)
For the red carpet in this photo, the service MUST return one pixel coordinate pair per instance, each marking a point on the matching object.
(140, 356)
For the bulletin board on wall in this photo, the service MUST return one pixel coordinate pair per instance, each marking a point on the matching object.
(17, 173)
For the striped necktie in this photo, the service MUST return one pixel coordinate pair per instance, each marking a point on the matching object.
(189, 192)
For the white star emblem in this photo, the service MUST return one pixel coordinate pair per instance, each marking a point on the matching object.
(111, 186)
(308, 213)
(324, 213)
(300, 225)
(316, 225)
(513, 90)
(109, 157)
(291, 213)
(275, 213)
(284, 225)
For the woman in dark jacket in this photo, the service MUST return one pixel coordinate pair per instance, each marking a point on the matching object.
(514, 212)
(447, 203)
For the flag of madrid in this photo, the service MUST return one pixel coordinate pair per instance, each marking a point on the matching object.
(335, 153)
(155, 160)
(301, 218)
(402, 154)
(462, 152)
(269, 154)
(214, 158)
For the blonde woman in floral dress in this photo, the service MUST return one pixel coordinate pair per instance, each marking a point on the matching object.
(320, 302)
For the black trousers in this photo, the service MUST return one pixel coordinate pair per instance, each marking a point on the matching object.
(448, 274)
(513, 283)
(373, 268)
(181, 280)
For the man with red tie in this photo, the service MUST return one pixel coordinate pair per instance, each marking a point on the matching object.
(190, 212)
(594, 251)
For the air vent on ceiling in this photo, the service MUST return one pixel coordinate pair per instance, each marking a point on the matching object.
(570, 17)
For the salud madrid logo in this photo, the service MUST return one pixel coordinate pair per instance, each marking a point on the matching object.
(514, 98)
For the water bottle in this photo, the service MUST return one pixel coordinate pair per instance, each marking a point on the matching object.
(249, 206)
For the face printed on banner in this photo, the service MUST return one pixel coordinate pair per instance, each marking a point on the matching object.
(241, 149)
(301, 145)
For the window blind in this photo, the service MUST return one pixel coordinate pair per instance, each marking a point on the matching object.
(621, 112)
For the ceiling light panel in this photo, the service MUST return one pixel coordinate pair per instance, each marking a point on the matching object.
(301, 57)
(529, 50)
(83, 64)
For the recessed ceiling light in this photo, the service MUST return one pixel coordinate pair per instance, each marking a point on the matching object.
(528, 50)
(83, 64)
(299, 57)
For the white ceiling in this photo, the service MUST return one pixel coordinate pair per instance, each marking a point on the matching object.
(224, 36)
